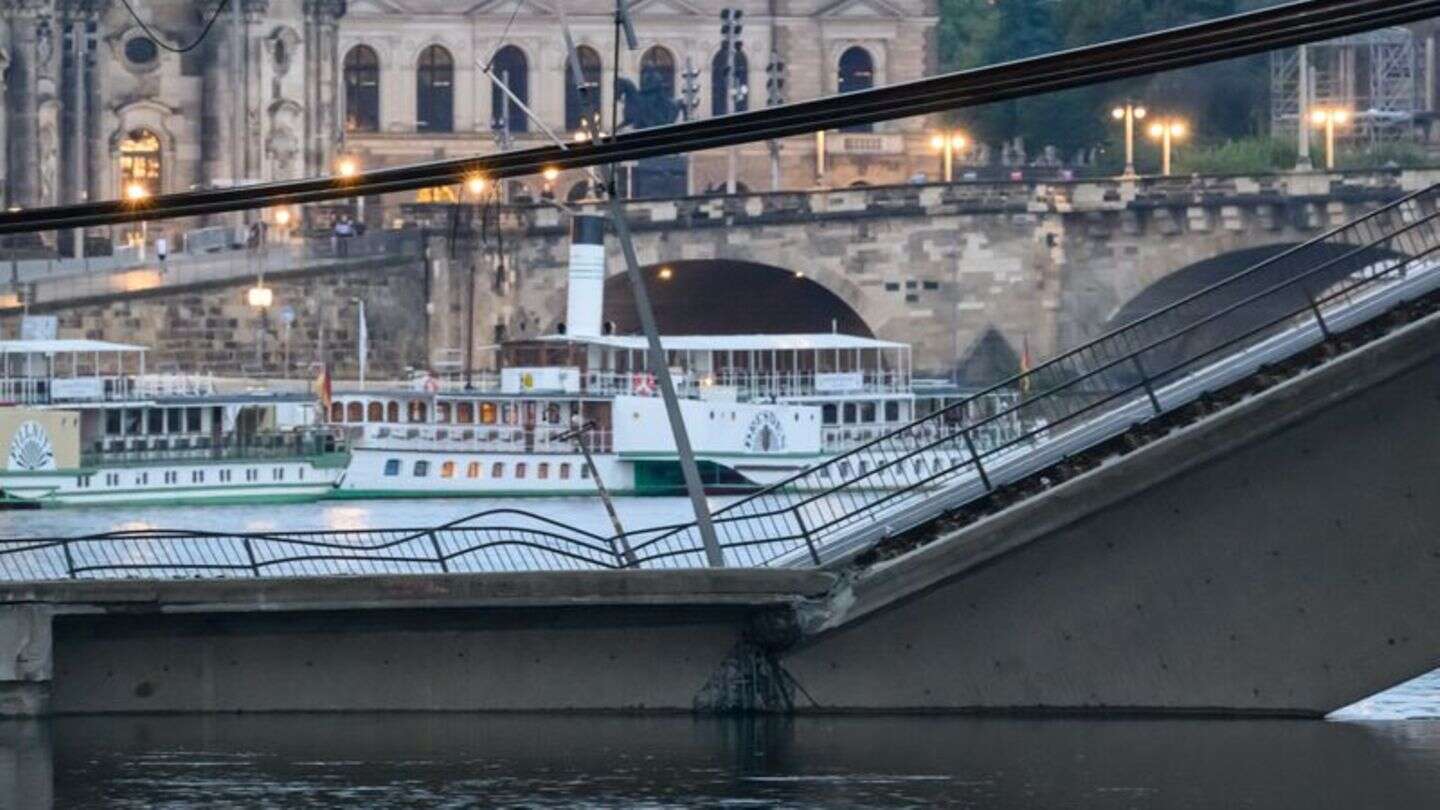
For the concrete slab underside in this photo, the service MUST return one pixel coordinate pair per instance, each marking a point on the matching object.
(1281, 557)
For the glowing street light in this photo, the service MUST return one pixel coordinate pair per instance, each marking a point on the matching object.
(348, 168)
(1129, 113)
(1329, 118)
(475, 184)
(260, 297)
(947, 144)
(135, 194)
(1167, 131)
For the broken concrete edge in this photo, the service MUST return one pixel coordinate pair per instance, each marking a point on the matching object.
(689, 586)
(865, 591)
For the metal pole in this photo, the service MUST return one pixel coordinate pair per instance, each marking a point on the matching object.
(731, 106)
(949, 159)
(1165, 151)
(661, 367)
(1129, 139)
(1330, 141)
(578, 436)
(1303, 163)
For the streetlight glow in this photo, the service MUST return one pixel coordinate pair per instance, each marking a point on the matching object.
(347, 167)
(1129, 113)
(475, 184)
(260, 297)
(1167, 131)
(666, 273)
(551, 173)
(937, 142)
(947, 143)
(1329, 118)
(136, 192)
(282, 217)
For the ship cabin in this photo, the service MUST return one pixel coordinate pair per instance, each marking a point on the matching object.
(124, 413)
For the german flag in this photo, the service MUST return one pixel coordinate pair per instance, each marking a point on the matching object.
(323, 392)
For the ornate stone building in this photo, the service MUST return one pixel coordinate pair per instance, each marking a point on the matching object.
(96, 105)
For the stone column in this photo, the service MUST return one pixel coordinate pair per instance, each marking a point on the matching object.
(322, 77)
(100, 167)
(23, 156)
(75, 140)
(218, 105)
(26, 667)
(253, 87)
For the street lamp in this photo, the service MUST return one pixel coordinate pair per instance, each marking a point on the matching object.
(348, 168)
(1130, 113)
(947, 144)
(1329, 118)
(136, 194)
(1167, 131)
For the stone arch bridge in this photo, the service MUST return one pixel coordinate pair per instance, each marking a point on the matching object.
(961, 271)
(940, 266)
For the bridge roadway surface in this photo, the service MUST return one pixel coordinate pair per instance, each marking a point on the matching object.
(1276, 558)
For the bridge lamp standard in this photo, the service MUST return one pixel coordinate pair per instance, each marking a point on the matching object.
(947, 144)
(136, 195)
(1329, 119)
(1167, 131)
(1129, 113)
(348, 168)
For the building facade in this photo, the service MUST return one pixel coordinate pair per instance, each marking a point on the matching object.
(99, 105)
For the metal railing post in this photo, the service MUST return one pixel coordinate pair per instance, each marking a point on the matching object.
(1145, 381)
(69, 560)
(805, 532)
(1320, 319)
(975, 457)
(439, 555)
(250, 553)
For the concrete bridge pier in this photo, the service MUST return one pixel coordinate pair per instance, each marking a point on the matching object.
(26, 660)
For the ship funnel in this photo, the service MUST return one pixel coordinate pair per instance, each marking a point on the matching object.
(587, 276)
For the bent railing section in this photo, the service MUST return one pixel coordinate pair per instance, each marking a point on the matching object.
(1070, 403)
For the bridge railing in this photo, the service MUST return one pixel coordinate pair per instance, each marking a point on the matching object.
(1066, 405)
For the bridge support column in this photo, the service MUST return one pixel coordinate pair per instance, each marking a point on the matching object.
(26, 660)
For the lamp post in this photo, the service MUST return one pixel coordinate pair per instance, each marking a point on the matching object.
(1167, 131)
(349, 168)
(1329, 118)
(947, 144)
(476, 186)
(137, 194)
(1129, 113)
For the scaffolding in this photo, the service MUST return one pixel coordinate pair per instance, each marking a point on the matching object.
(1379, 77)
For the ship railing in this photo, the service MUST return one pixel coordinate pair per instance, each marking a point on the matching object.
(269, 446)
(746, 386)
(153, 386)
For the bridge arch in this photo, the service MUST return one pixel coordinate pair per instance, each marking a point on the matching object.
(1342, 260)
(728, 296)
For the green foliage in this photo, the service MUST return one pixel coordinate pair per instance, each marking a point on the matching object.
(1379, 156)
(1244, 156)
(1227, 100)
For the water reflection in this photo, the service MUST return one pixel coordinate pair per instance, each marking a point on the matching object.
(548, 761)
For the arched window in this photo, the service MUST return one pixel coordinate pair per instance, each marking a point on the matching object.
(657, 66)
(362, 90)
(337, 412)
(857, 72)
(582, 103)
(354, 412)
(139, 164)
(513, 68)
(375, 412)
(435, 91)
(392, 411)
(719, 85)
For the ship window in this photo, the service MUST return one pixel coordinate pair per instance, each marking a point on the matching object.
(827, 414)
(892, 412)
(473, 470)
(355, 412)
(507, 413)
(849, 413)
(337, 412)
(141, 479)
(374, 412)
(542, 470)
(175, 420)
(192, 420)
(196, 476)
(497, 471)
(487, 413)
(132, 421)
(465, 413)
(300, 473)
(867, 412)
(392, 412)
(447, 470)
(277, 473)
(154, 421)
(552, 413)
(112, 422)
(416, 412)
(584, 470)
(422, 469)
(564, 472)
(442, 412)
(520, 470)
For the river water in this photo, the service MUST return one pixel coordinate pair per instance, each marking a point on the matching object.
(1382, 753)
